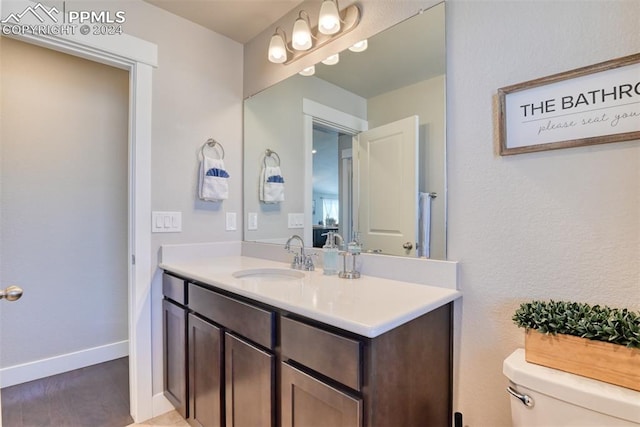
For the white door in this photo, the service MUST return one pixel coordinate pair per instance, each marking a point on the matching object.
(64, 210)
(387, 182)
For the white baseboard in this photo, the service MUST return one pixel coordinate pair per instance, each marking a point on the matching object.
(161, 405)
(43, 368)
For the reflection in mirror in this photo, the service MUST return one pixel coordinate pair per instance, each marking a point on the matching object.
(339, 177)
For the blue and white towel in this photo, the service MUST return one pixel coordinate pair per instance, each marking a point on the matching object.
(271, 185)
(213, 185)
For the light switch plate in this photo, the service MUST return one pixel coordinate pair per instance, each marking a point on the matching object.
(296, 220)
(252, 221)
(231, 221)
(166, 222)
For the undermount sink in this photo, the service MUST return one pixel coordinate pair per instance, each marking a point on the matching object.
(269, 274)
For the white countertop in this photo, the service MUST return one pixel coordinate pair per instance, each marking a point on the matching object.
(369, 306)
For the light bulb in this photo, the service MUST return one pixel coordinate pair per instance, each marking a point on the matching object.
(301, 38)
(361, 46)
(329, 20)
(309, 71)
(277, 50)
(332, 60)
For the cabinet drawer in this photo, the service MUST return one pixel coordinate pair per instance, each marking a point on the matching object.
(244, 319)
(173, 288)
(332, 355)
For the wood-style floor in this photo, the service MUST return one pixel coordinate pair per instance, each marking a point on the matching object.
(94, 396)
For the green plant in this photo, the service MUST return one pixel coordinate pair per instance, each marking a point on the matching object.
(601, 323)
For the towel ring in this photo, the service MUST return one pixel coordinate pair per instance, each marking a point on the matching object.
(270, 153)
(213, 144)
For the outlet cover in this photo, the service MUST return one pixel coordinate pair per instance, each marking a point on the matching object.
(252, 221)
(231, 221)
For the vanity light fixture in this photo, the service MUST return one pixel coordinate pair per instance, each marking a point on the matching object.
(332, 24)
(332, 60)
(301, 37)
(278, 47)
(309, 71)
(329, 20)
(361, 46)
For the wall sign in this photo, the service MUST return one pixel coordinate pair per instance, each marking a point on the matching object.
(591, 105)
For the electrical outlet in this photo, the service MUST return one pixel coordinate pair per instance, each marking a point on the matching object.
(252, 221)
(231, 221)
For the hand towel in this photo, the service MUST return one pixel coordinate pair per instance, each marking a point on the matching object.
(424, 225)
(271, 185)
(213, 185)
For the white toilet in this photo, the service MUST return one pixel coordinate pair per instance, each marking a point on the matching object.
(545, 397)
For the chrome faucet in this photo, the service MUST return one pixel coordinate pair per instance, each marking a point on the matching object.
(300, 261)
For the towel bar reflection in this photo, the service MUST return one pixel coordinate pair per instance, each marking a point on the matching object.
(213, 144)
(269, 153)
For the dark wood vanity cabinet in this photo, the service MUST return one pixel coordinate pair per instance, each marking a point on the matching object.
(250, 381)
(174, 317)
(253, 365)
(205, 373)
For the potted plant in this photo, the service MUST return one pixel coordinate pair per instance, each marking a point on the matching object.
(593, 341)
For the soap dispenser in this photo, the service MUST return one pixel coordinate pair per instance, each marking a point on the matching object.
(349, 266)
(330, 253)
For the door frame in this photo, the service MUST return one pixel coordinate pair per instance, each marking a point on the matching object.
(314, 112)
(139, 57)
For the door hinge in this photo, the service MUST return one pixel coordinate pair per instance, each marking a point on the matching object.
(133, 259)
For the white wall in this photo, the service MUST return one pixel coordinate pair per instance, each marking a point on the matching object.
(425, 99)
(559, 224)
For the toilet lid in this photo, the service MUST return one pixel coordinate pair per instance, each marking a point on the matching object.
(588, 393)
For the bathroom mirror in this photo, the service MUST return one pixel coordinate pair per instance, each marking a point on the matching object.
(314, 126)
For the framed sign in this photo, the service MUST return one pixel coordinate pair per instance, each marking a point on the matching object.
(591, 105)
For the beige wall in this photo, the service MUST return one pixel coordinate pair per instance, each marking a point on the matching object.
(64, 203)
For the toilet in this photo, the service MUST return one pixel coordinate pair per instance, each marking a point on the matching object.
(545, 397)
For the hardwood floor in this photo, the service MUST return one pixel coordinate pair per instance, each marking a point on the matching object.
(94, 396)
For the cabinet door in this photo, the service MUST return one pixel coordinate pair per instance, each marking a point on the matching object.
(308, 402)
(205, 373)
(174, 349)
(249, 377)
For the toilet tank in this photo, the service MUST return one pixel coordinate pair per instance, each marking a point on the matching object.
(562, 399)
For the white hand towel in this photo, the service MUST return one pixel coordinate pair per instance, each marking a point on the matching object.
(424, 225)
(271, 185)
(213, 185)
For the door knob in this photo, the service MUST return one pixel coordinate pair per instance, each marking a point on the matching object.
(12, 293)
(408, 246)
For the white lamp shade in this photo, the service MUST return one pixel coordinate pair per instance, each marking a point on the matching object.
(277, 49)
(332, 60)
(329, 20)
(361, 46)
(301, 38)
(309, 71)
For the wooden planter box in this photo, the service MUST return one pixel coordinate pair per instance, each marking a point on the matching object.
(611, 363)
